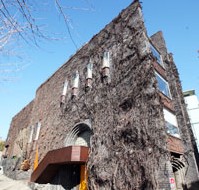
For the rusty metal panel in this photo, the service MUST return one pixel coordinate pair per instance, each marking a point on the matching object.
(51, 163)
(175, 144)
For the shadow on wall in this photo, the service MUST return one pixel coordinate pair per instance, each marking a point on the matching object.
(194, 186)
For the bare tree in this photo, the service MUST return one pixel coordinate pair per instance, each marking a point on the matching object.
(18, 22)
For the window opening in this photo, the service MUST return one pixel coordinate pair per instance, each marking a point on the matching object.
(75, 84)
(163, 85)
(156, 55)
(65, 88)
(171, 123)
(31, 133)
(37, 130)
(106, 65)
(89, 74)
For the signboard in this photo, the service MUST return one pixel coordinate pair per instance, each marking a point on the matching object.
(172, 183)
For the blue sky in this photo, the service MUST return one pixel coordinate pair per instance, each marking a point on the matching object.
(177, 19)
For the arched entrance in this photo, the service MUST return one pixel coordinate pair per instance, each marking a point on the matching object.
(79, 135)
(66, 166)
(178, 167)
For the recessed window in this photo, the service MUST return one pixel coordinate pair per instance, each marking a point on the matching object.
(75, 79)
(31, 133)
(156, 55)
(171, 123)
(163, 85)
(37, 131)
(106, 60)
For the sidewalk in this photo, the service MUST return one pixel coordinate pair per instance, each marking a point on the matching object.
(10, 184)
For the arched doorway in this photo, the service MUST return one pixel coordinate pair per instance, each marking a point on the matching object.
(79, 135)
(74, 175)
(65, 167)
(178, 167)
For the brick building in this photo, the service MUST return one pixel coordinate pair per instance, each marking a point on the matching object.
(115, 107)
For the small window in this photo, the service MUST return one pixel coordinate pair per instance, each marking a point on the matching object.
(106, 60)
(171, 123)
(37, 130)
(89, 70)
(172, 130)
(31, 133)
(75, 79)
(163, 85)
(156, 55)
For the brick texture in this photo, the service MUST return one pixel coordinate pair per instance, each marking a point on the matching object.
(128, 148)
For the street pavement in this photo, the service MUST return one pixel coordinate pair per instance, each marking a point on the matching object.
(10, 184)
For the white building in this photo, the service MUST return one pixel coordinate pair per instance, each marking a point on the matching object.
(193, 111)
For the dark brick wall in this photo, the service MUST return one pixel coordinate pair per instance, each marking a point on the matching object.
(20, 122)
(126, 42)
(159, 42)
(179, 106)
(128, 146)
(183, 121)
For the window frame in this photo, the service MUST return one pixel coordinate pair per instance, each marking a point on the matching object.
(159, 61)
(31, 133)
(167, 84)
(172, 123)
(37, 131)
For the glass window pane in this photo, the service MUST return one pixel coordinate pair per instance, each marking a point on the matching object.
(163, 86)
(37, 130)
(157, 55)
(31, 133)
(172, 130)
(171, 123)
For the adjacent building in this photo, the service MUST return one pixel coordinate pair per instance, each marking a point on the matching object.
(112, 117)
(192, 103)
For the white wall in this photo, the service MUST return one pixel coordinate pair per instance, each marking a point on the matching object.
(193, 111)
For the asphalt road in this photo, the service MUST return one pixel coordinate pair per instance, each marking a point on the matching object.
(9, 184)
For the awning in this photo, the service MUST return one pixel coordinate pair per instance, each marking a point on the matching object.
(51, 163)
